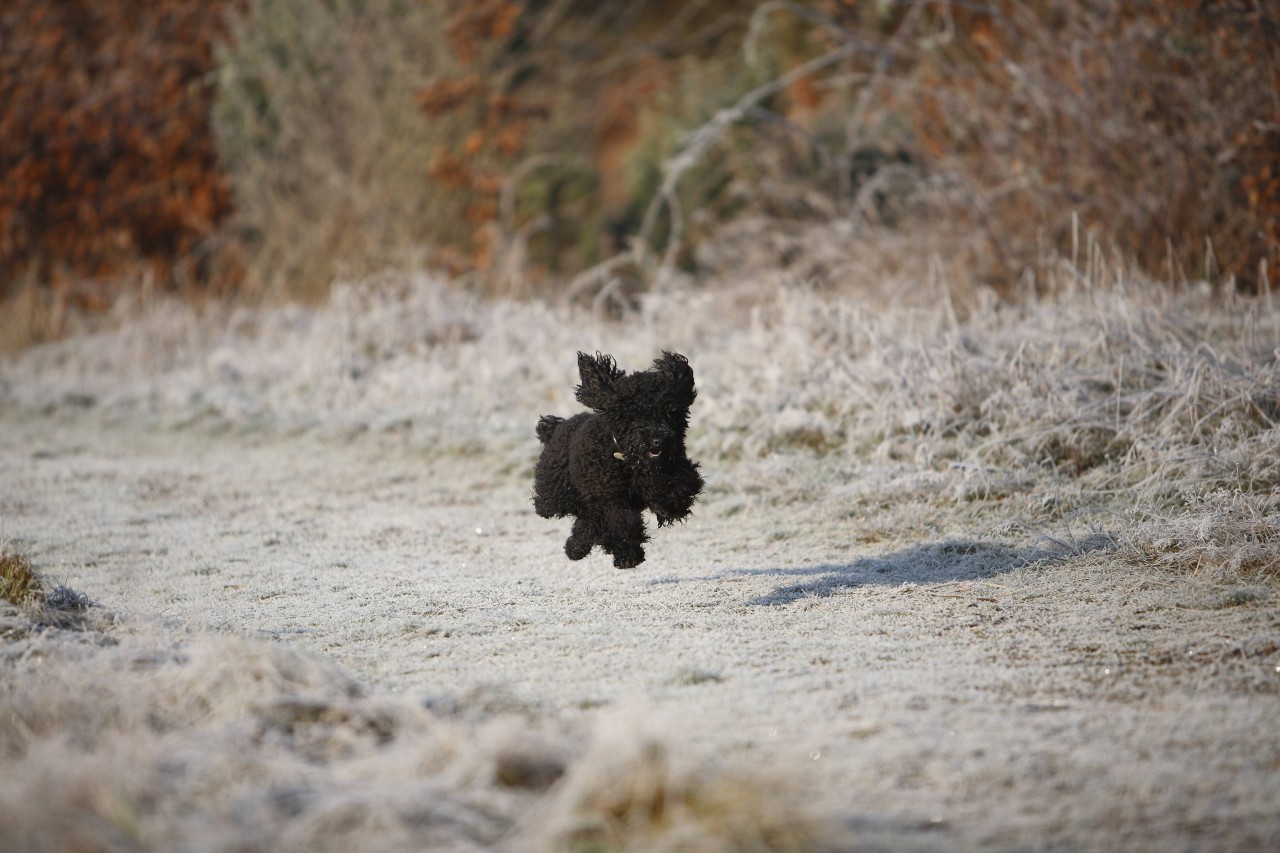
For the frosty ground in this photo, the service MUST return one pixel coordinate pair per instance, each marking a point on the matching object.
(923, 604)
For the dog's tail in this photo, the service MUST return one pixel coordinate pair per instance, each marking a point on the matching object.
(546, 425)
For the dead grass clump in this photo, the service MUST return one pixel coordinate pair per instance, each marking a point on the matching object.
(1138, 388)
(19, 583)
(1079, 448)
(41, 605)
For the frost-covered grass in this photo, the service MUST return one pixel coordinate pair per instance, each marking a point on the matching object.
(939, 457)
(1115, 396)
(130, 740)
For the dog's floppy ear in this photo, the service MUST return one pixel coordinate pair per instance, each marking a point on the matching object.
(676, 368)
(598, 372)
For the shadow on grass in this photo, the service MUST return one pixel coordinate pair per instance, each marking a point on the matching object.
(933, 563)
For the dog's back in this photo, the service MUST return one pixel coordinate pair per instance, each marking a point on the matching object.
(554, 494)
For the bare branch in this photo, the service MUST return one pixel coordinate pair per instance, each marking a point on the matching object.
(701, 141)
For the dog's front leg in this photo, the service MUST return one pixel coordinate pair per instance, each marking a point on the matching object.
(581, 539)
(670, 494)
(624, 535)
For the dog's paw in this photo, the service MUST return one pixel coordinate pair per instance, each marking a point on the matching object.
(667, 517)
(628, 558)
(576, 550)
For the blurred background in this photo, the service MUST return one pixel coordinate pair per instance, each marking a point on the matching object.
(260, 150)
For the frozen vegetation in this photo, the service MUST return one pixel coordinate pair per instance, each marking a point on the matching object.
(969, 572)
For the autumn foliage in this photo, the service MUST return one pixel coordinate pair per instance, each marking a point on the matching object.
(552, 162)
(1153, 127)
(265, 146)
(1154, 124)
(106, 155)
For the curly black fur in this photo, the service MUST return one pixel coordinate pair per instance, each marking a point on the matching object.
(604, 467)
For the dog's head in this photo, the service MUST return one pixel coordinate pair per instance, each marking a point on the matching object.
(648, 411)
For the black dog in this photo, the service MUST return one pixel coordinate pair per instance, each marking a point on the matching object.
(603, 468)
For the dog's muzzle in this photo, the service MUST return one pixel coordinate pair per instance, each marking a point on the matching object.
(652, 450)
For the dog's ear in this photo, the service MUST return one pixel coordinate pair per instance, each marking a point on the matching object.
(676, 368)
(599, 373)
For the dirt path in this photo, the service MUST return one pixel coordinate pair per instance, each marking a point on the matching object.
(935, 695)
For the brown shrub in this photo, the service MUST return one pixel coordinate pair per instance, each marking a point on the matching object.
(1157, 124)
(1016, 128)
(545, 128)
(107, 161)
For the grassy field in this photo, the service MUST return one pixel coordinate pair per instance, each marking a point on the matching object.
(970, 573)
(1144, 409)
(979, 303)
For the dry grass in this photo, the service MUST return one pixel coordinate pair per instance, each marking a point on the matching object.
(633, 791)
(1224, 536)
(19, 583)
(35, 603)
